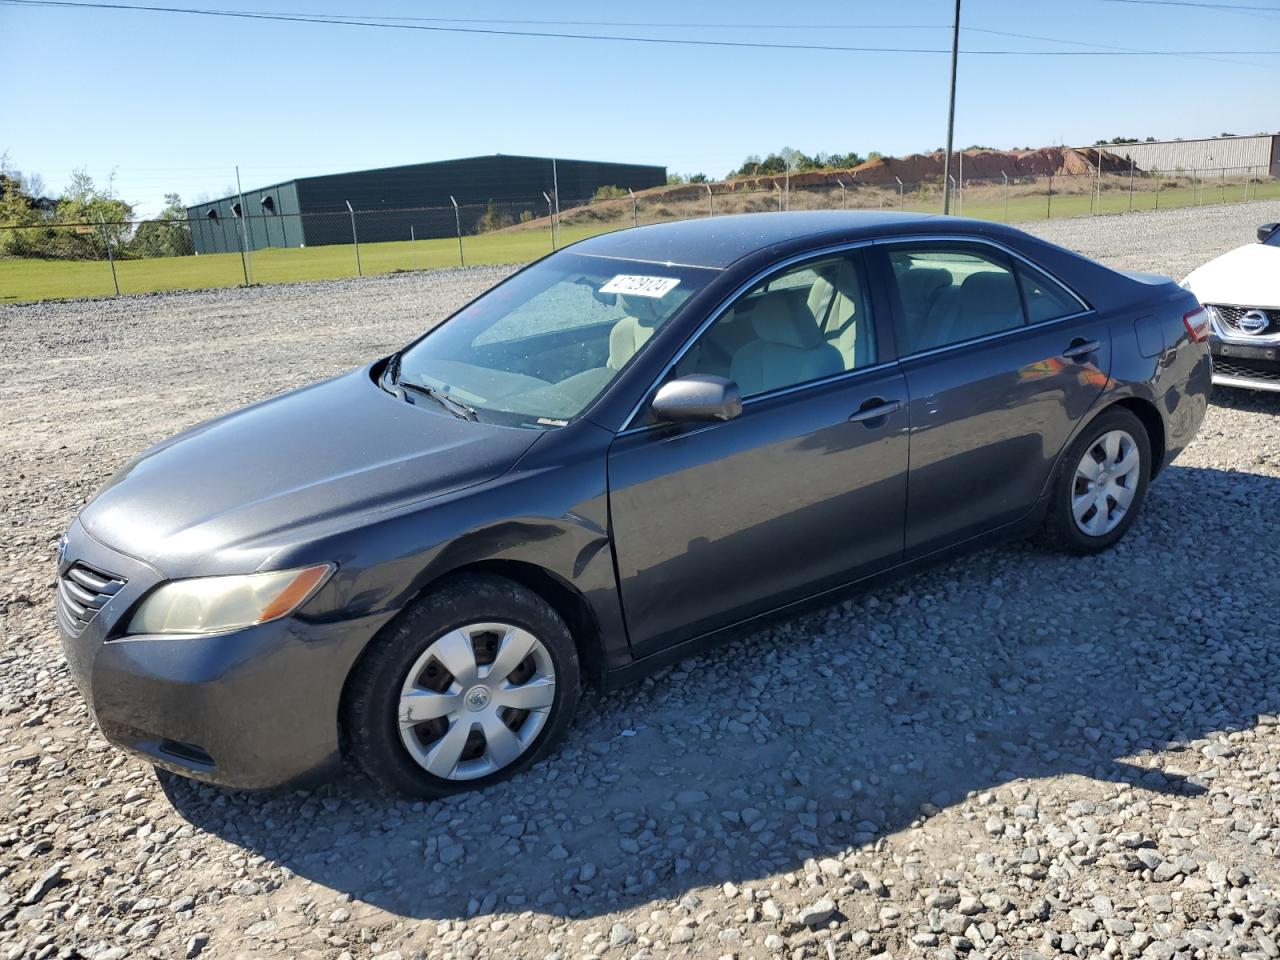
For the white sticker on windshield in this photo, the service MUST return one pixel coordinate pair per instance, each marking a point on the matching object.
(635, 286)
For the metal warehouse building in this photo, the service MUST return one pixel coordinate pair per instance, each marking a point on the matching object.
(1258, 156)
(393, 201)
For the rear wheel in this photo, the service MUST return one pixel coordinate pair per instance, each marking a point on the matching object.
(471, 684)
(1101, 484)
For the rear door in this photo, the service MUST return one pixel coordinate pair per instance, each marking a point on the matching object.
(1001, 362)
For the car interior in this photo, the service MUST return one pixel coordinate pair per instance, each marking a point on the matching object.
(951, 296)
(803, 325)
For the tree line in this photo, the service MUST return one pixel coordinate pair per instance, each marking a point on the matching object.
(82, 221)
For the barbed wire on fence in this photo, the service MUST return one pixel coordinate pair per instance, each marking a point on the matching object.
(281, 244)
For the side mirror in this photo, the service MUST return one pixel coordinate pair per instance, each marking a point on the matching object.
(697, 397)
(1266, 230)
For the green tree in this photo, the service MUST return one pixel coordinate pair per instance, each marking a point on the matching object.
(84, 204)
(492, 219)
(169, 235)
(23, 210)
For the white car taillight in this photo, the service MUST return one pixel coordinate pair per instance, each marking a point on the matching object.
(1197, 324)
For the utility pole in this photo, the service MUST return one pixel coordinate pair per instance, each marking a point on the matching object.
(951, 114)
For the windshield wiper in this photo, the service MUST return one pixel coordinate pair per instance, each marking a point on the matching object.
(459, 409)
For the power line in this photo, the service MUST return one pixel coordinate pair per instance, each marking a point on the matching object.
(1198, 5)
(490, 31)
(1111, 46)
(650, 24)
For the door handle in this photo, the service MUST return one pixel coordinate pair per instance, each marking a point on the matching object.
(874, 409)
(1080, 349)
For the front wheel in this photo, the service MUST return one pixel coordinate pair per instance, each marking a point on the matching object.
(1100, 486)
(472, 683)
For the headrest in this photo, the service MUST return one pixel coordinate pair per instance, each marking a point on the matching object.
(927, 278)
(990, 290)
(776, 321)
(644, 309)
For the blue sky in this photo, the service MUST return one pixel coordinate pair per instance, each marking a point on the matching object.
(173, 103)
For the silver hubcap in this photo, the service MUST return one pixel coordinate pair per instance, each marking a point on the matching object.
(1105, 482)
(476, 700)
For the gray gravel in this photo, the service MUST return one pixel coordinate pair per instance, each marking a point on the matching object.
(1014, 754)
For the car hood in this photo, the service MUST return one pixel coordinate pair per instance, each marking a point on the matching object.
(1248, 276)
(228, 493)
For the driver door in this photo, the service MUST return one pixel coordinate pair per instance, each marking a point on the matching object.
(804, 490)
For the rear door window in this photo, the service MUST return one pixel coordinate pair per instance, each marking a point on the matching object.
(951, 293)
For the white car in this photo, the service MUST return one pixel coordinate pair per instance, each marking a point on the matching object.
(1240, 291)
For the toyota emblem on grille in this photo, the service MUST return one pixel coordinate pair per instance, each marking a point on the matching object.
(1253, 322)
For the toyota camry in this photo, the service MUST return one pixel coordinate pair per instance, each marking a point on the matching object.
(618, 455)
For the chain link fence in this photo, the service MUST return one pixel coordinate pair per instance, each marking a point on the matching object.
(54, 260)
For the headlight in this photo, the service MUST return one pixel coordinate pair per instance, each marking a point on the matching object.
(218, 604)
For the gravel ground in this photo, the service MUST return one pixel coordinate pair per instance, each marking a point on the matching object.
(1011, 755)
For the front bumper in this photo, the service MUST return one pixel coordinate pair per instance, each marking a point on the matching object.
(254, 708)
(1251, 366)
(1248, 360)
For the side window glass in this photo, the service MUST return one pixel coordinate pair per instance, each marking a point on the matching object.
(802, 324)
(1046, 299)
(950, 294)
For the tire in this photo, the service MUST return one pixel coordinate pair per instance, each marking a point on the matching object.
(1072, 490)
(489, 617)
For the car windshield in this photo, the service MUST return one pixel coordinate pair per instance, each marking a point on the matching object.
(538, 349)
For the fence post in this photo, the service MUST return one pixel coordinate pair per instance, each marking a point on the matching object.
(106, 240)
(244, 264)
(1157, 190)
(844, 195)
(712, 197)
(779, 189)
(551, 219)
(555, 192)
(1131, 184)
(1222, 187)
(902, 198)
(355, 239)
(413, 247)
(457, 222)
(953, 190)
(246, 250)
(635, 214)
(1097, 183)
(1048, 213)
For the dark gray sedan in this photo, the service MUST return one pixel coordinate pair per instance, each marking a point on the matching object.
(601, 465)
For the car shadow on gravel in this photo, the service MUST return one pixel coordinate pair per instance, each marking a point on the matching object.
(805, 739)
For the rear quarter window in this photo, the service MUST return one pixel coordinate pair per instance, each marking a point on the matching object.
(1046, 299)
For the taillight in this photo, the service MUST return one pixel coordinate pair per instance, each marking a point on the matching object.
(1197, 324)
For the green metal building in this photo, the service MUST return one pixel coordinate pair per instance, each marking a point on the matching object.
(393, 203)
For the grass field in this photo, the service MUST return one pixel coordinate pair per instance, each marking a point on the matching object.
(28, 280)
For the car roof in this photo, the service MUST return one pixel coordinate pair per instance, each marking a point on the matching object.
(717, 242)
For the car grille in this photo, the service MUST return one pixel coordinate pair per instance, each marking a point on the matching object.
(1247, 369)
(82, 592)
(1231, 319)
